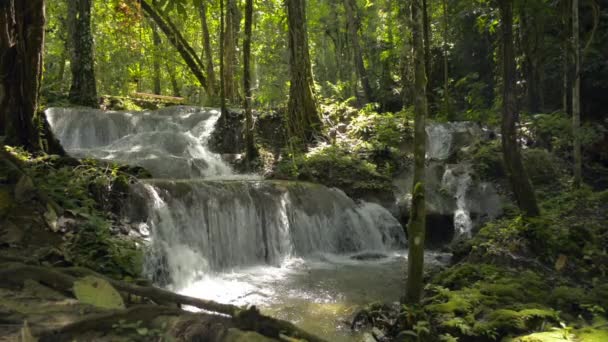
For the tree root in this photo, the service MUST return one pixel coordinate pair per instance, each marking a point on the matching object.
(62, 280)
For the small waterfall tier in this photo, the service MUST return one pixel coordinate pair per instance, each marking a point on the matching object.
(202, 226)
(455, 196)
(170, 143)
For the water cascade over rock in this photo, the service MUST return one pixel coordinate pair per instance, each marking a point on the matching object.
(201, 217)
(457, 200)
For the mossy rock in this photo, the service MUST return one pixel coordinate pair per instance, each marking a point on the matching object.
(236, 335)
(6, 200)
(98, 292)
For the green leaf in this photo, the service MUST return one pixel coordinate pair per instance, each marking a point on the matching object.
(98, 292)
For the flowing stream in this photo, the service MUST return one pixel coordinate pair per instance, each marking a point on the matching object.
(299, 251)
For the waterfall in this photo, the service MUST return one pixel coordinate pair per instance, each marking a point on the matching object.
(459, 185)
(170, 143)
(202, 218)
(200, 227)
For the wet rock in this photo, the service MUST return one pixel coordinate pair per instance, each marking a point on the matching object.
(379, 335)
(341, 128)
(369, 256)
(367, 337)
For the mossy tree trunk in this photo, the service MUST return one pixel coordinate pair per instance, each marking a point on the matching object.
(427, 45)
(576, 96)
(250, 151)
(353, 31)
(303, 119)
(518, 177)
(21, 43)
(83, 90)
(417, 222)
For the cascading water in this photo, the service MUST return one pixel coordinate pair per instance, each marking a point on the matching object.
(284, 246)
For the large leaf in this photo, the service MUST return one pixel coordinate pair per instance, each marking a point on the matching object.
(98, 292)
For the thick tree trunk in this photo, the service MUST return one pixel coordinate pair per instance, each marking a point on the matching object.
(303, 119)
(518, 177)
(156, 64)
(21, 44)
(83, 90)
(207, 49)
(177, 40)
(353, 30)
(231, 31)
(250, 151)
(417, 222)
(576, 96)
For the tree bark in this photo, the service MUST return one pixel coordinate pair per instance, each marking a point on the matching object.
(303, 119)
(446, 78)
(427, 46)
(83, 90)
(518, 177)
(353, 30)
(156, 64)
(21, 45)
(417, 222)
(250, 151)
(207, 49)
(177, 40)
(231, 30)
(576, 96)
(222, 65)
(174, 83)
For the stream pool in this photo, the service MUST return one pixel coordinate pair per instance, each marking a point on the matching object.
(321, 294)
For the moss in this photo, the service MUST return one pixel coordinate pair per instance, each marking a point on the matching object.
(335, 167)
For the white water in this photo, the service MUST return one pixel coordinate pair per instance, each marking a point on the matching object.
(170, 143)
(284, 246)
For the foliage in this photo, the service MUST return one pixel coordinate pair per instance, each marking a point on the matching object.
(334, 166)
(88, 193)
(554, 132)
(382, 130)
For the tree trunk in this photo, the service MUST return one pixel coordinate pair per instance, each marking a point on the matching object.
(231, 30)
(207, 47)
(250, 151)
(353, 30)
(518, 177)
(576, 97)
(303, 119)
(83, 90)
(21, 44)
(174, 83)
(177, 40)
(222, 65)
(427, 46)
(446, 78)
(156, 64)
(417, 222)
